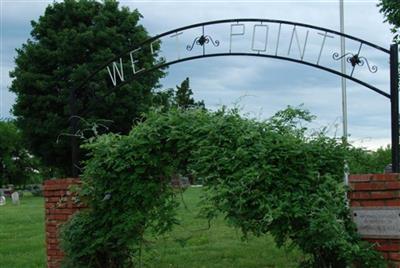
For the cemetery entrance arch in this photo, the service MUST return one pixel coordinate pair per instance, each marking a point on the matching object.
(284, 40)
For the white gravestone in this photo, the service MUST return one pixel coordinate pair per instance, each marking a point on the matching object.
(2, 200)
(15, 198)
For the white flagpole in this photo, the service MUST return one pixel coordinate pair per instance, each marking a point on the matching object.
(344, 92)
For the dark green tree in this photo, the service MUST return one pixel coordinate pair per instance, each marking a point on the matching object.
(181, 97)
(184, 96)
(17, 166)
(391, 10)
(70, 41)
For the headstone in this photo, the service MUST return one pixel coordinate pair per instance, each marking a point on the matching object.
(377, 222)
(2, 200)
(15, 198)
(185, 182)
(388, 169)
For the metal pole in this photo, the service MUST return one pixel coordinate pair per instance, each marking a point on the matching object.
(394, 99)
(74, 140)
(344, 93)
(343, 70)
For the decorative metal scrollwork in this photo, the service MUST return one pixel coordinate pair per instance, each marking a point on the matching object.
(355, 59)
(201, 41)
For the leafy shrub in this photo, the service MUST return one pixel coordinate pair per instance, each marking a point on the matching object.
(262, 176)
(127, 190)
(34, 189)
(363, 161)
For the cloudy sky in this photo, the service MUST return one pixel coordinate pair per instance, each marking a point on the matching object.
(260, 86)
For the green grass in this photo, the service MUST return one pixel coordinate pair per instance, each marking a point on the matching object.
(218, 246)
(22, 241)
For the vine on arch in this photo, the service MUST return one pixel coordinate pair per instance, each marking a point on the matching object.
(263, 177)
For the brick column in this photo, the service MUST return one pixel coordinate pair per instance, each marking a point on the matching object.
(59, 205)
(378, 191)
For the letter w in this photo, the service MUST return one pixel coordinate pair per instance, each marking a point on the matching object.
(120, 72)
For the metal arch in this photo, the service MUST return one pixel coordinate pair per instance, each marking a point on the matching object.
(393, 54)
(151, 39)
(121, 84)
(377, 90)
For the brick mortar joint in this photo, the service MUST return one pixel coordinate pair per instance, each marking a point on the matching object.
(60, 205)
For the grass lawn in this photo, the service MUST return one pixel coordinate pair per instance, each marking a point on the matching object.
(22, 234)
(219, 246)
(22, 241)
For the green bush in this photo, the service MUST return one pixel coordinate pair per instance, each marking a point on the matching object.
(261, 176)
(363, 161)
(34, 189)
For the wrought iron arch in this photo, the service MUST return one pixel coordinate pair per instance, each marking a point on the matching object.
(201, 43)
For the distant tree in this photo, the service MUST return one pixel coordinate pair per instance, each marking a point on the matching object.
(164, 99)
(181, 97)
(391, 10)
(364, 161)
(17, 166)
(68, 42)
(184, 96)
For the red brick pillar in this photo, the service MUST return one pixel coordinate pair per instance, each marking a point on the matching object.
(59, 205)
(378, 193)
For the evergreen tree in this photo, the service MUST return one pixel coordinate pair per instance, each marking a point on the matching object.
(183, 96)
(70, 41)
